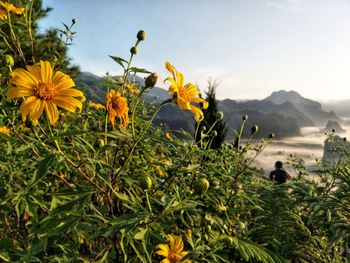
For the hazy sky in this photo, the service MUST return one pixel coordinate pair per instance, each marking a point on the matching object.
(253, 47)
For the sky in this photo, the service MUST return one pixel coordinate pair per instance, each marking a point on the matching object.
(252, 47)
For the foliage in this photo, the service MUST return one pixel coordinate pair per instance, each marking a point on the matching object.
(81, 190)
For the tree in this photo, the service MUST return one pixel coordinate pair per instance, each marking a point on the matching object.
(21, 38)
(211, 116)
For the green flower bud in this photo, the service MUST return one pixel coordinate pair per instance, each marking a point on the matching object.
(8, 61)
(201, 186)
(141, 35)
(214, 133)
(146, 183)
(133, 50)
(254, 129)
(220, 115)
(151, 80)
(74, 21)
(271, 136)
(101, 143)
(245, 117)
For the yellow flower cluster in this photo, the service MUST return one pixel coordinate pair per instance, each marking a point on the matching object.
(6, 8)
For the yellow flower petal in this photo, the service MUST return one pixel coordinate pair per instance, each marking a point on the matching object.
(51, 112)
(198, 114)
(35, 71)
(163, 250)
(3, 15)
(27, 106)
(23, 77)
(46, 72)
(37, 110)
(19, 92)
(67, 103)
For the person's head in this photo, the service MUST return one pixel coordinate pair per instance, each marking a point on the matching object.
(278, 165)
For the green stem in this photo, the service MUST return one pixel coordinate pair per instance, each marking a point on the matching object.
(137, 141)
(133, 113)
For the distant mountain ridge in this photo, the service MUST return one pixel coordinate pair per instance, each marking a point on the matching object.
(310, 108)
(282, 113)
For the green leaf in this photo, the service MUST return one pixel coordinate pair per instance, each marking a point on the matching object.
(39, 174)
(119, 60)
(139, 70)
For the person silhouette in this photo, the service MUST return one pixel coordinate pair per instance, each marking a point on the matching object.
(279, 175)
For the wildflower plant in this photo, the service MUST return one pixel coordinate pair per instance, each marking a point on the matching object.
(99, 182)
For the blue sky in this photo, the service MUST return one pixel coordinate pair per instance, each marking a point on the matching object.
(253, 47)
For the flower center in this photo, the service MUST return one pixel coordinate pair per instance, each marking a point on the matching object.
(173, 257)
(118, 105)
(184, 94)
(45, 91)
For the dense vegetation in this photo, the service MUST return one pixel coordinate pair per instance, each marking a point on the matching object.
(103, 184)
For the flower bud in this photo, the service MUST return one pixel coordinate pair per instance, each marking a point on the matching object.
(146, 183)
(133, 50)
(141, 35)
(271, 136)
(201, 186)
(74, 21)
(214, 133)
(101, 143)
(8, 61)
(220, 115)
(254, 129)
(245, 117)
(151, 80)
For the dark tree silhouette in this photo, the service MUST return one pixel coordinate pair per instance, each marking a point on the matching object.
(211, 115)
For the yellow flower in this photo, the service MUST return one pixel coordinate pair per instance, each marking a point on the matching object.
(132, 88)
(96, 106)
(44, 89)
(11, 8)
(185, 94)
(4, 130)
(117, 106)
(175, 252)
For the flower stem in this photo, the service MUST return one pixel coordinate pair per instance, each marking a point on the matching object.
(136, 142)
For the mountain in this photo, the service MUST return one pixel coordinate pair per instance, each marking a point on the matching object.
(286, 109)
(333, 125)
(310, 108)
